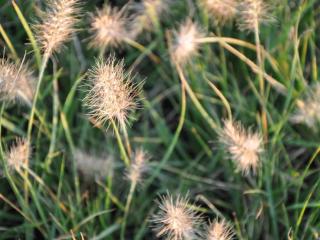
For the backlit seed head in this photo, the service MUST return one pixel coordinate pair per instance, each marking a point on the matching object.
(308, 109)
(18, 155)
(112, 94)
(244, 146)
(147, 14)
(220, 230)
(176, 219)
(221, 10)
(16, 82)
(56, 25)
(184, 45)
(138, 166)
(93, 166)
(252, 13)
(109, 27)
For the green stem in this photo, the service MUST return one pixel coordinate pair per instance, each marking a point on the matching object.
(127, 208)
(120, 143)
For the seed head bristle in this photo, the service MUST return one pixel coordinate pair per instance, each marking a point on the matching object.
(112, 94)
(57, 24)
(138, 166)
(92, 166)
(221, 10)
(243, 146)
(220, 230)
(184, 45)
(147, 12)
(109, 26)
(308, 109)
(253, 13)
(16, 82)
(176, 219)
(18, 155)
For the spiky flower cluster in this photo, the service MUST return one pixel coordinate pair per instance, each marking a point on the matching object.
(112, 94)
(57, 24)
(147, 13)
(92, 166)
(308, 110)
(221, 10)
(18, 155)
(243, 146)
(252, 13)
(185, 45)
(176, 219)
(109, 26)
(220, 230)
(138, 166)
(16, 82)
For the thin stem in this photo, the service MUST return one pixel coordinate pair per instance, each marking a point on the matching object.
(127, 208)
(120, 144)
(127, 141)
(141, 48)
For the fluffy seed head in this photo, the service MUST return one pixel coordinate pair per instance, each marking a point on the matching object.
(221, 10)
(147, 13)
(185, 45)
(176, 219)
(56, 24)
(252, 13)
(243, 146)
(109, 27)
(16, 82)
(112, 94)
(138, 166)
(220, 230)
(92, 166)
(18, 155)
(308, 110)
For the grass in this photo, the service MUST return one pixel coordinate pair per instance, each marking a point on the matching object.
(177, 124)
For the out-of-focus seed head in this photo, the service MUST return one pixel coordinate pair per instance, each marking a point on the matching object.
(244, 146)
(112, 94)
(220, 230)
(93, 167)
(252, 13)
(57, 24)
(18, 156)
(176, 219)
(16, 82)
(221, 10)
(184, 45)
(147, 15)
(308, 109)
(109, 26)
(138, 166)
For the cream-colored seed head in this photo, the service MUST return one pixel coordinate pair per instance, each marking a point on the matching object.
(16, 82)
(138, 166)
(176, 220)
(148, 12)
(92, 166)
(252, 14)
(221, 10)
(109, 27)
(220, 230)
(112, 93)
(243, 146)
(185, 45)
(308, 109)
(56, 25)
(18, 156)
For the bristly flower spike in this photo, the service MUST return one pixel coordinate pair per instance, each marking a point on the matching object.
(221, 10)
(56, 24)
(138, 166)
(244, 146)
(176, 219)
(220, 230)
(185, 46)
(112, 94)
(18, 156)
